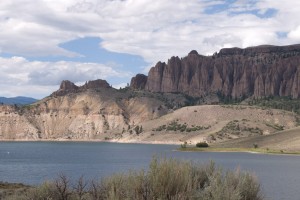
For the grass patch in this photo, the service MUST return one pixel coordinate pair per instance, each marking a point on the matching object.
(9, 190)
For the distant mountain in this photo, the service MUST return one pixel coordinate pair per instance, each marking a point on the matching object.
(17, 100)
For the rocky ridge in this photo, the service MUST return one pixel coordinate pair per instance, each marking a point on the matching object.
(92, 111)
(233, 72)
(67, 86)
(95, 110)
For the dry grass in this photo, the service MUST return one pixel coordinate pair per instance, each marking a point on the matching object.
(286, 141)
(248, 121)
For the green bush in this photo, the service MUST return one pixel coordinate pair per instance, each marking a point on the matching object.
(202, 145)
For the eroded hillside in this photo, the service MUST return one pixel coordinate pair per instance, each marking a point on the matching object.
(214, 124)
(92, 111)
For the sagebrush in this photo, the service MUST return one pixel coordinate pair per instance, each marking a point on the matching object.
(166, 179)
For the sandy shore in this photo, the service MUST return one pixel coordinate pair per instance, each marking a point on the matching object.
(88, 140)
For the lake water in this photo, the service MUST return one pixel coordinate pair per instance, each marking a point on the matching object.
(34, 162)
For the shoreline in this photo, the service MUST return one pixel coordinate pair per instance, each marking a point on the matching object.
(239, 150)
(187, 149)
(91, 140)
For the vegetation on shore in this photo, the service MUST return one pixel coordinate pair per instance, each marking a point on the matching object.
(176, 126)
(166, 179)
(255, 149)
(283, 103)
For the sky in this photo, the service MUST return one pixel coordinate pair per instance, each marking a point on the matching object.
(43, 42)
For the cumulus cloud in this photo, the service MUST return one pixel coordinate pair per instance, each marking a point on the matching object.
(121, 85)
(153, 29)
(295, 34)
(53, 73)
(18, 72)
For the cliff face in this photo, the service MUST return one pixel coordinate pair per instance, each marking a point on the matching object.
(92, 111)
(233, 72)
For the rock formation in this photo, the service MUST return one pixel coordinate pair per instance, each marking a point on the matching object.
(92, 111)
(65, 87)
(233, 72)
(69, 87)
(95, 84)
(98, 111)
(139, 81)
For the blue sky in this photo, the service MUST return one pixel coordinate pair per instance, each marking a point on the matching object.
(46, 41)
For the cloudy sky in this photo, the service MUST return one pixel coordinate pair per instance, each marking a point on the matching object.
(43, 42)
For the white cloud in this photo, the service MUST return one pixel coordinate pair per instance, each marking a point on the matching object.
(121, 85)
(153, 29)
(17, 74)
(294, 34)
(35, 91)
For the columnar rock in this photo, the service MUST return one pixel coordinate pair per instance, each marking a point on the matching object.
(233, 72)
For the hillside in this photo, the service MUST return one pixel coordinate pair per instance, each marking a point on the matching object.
(214, 124)
(235, 97)
(17, 100)
(92, 111)
(286, 140)
(105, 114)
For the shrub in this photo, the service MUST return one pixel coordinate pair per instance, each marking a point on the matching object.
(173, 179)
(202, 145)
(45, 191)
(184, 145)
(166, 179)
(175, 126)
(138, 129)
(231, 186)
(212, 137)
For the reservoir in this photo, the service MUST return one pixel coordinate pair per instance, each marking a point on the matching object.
(35, 162)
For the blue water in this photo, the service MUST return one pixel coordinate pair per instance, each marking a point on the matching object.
(35, 162)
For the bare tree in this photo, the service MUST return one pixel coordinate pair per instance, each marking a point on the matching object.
(98, 190)
(80, 187)
(62, 186)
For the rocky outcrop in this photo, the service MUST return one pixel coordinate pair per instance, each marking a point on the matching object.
(138, 82)
(233, 72)
(95, 84)
(67, 87)
(92, 111)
